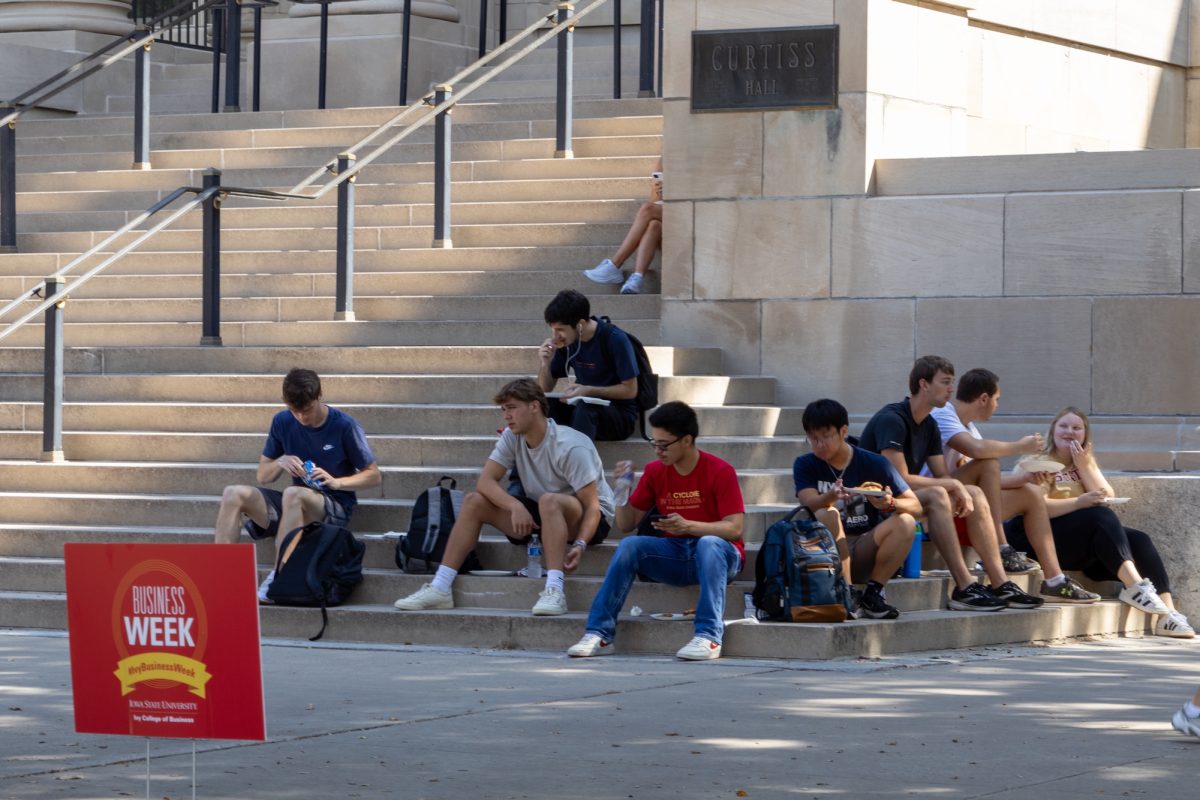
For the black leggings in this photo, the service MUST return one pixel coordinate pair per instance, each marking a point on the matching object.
(1093, 541)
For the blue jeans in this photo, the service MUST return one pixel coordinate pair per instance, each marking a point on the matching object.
(710, 562)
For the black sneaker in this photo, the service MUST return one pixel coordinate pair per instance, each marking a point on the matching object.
(872, 605)
(976, 597)
(1068, 592)
(1015, 562)
(1013, 597)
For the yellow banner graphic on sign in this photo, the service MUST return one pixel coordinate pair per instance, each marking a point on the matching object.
(162, 667)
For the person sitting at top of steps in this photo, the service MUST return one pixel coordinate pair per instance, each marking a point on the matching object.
(597, 365)
(1088, 535)
(696, 505)
(975, 461)
(644, 238)
(564, 491)
(308, 430)
(880, 528)
(906, 435)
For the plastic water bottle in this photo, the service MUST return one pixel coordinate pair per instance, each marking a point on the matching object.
(534, 570)
(750, 611)
(623, 487)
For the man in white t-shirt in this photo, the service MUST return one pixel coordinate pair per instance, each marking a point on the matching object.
(975, 461)
(564, 492)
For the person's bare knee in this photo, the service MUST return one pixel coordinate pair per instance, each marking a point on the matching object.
(935, 499)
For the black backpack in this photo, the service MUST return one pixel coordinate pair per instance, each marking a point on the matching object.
(420, 550)
(798, 574)
(321, 570)
(647, 380)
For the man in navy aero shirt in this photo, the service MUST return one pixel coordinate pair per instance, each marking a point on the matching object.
(308, 430)
(874, 533)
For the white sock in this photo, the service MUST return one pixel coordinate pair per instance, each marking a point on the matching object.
(270, 577)
(1191, 709)
(444, 578)
(554, 579)
(1056, 581)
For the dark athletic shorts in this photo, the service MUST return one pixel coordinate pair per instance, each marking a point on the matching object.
(532, 507)
(334, 514)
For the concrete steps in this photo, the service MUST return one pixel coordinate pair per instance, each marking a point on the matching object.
(155, 426)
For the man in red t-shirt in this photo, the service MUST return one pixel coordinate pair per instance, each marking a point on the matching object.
(697, 509)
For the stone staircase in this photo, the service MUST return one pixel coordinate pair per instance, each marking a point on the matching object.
(156, 425)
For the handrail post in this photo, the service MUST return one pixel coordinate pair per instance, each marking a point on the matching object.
(324, 54)
(441, 169)
(52, 375)
(211, 261)
(233, 55)
(483, 4)
(8, 183)
(257, 55)
(404, 37)
(218, 39)
(344, 309)
(646, 71)
(566, 85)
(503, 21)
(616, 49)
(141, 106)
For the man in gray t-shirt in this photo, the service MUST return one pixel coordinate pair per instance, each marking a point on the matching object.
(565, 495)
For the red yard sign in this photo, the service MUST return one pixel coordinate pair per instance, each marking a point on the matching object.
(164, 640)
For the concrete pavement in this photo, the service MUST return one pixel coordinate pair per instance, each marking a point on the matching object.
(1080, 720)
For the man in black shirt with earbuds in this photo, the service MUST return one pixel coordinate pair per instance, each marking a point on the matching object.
(598, 362)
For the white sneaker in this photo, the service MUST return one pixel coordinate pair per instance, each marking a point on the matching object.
(633, 285)
(263, 587)
(551, 603)
(1143, 596)
(425, 598)
(1174, 624)
(605, 272)
(590, 645)
(699, 649)
(1185, 724)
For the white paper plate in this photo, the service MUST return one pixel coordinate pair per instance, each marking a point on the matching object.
(493, 573)
(673, 616)
(1041, 465)
(1116, 501)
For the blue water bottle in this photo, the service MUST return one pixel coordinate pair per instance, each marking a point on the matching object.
(912, 562)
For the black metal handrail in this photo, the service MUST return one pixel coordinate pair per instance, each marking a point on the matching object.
(435, 105)
(103, 57)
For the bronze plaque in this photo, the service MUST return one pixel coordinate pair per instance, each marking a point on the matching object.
(765, 68)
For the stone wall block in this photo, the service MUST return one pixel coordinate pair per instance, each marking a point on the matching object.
(1191, 241)
(712, 155)
(718, 14)
(903, 247)
(1145, 356)
(1093, 243)
(677, 249)
(679, 22)
(858, 352)
(852, 17)
(732, 326)
(750, 249)
(1039, 347)
(792, 137)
